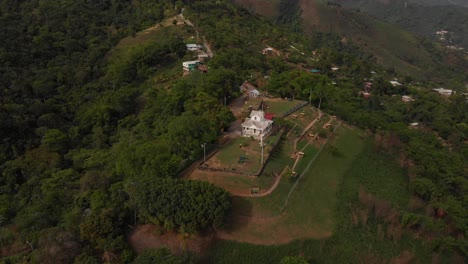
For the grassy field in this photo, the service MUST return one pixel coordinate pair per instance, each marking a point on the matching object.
(279, 106)
(377, 173)
(243, 154)
(309, 212)
(303, 120)
(148, 35)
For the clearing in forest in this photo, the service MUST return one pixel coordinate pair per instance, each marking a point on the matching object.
(310, 210)
(148, 35)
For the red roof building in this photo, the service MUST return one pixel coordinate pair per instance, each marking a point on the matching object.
(269, 116)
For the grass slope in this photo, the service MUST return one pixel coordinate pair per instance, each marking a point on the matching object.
(392, 46)
(310, 211)
(377, 173)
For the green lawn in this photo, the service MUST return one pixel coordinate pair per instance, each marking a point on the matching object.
(230, 155)
(313, 202)
(314, 199)
(279, 107)
(303, 120)
(246, 158)
(149, 35)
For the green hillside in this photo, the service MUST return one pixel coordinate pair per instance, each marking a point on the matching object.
(392, 47)
(100, 126)
(420, 18)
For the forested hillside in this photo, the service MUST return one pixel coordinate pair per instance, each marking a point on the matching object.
(84, 133)
(421, 17)
(393, 47)
(95, 133)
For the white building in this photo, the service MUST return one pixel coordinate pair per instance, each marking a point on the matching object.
(443, 91)
(395, 83)
(253, 93)
(406, 99)
(193, 47)
(190, 65)
(257, 125)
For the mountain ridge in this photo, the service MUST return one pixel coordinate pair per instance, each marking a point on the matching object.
(392, 46)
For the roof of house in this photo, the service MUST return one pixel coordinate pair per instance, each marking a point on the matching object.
(269, 116)
(191, 62)
(257, 113)
(257, 124)
(442, 90)
(247, 85)
(254, 91)
(315, 71)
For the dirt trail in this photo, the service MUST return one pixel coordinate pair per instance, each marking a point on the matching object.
(268, 192)
(148, 237)
(307, 129)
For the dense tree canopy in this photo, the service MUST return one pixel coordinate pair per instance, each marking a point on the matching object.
(188, 205)
(93, 137)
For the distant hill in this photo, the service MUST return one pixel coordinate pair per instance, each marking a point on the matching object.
(438, 2)
(392, 46)
(420, 17)
(463, 3)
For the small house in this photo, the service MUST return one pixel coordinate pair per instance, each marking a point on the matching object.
(315, 71)
(270, 51)
(193, 47)
(364, 95)
(256, 126)
(253, 93)
(406, 99)
(443, 91)
(190, 65)
(395, 83)
(269, 116)
(367, 86)
(202, 56)
(246, 86)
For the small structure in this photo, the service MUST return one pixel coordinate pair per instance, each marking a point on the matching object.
(190, 65)
(367, 86)
(253, 93)
(395, 83)
(443, 91)
(193, 47)
(269, 116)
(270, 51)
(334, 68)
(246, 86)
(315, 71)
(249, 89)
(414, 124)
(407, 99)
(202, 56)
(365, 95)
(256, 126)
(203, 68)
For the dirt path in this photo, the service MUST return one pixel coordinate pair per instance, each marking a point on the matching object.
(307, 129)
(149, 236)
(268, 192)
